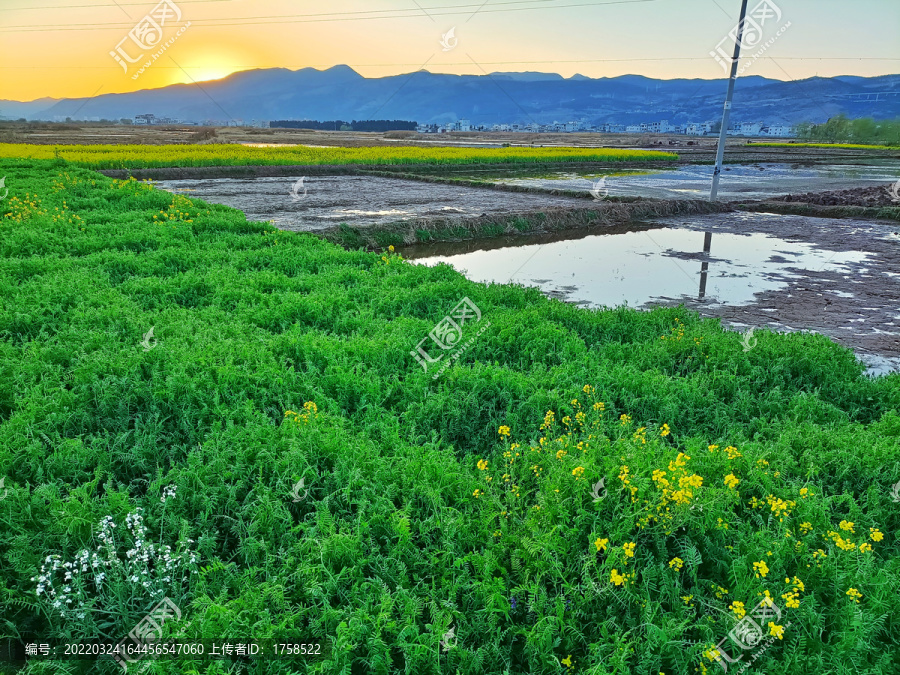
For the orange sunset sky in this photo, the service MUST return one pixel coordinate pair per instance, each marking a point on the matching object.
(61, 48)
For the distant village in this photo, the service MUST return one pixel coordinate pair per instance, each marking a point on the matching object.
(662, 127)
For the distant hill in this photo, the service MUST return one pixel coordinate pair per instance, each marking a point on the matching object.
(342, 93)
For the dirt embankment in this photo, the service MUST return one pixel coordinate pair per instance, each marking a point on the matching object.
(869, 197)
(867, 202)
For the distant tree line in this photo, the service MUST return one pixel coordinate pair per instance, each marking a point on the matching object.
(340, 125)
(840, 129)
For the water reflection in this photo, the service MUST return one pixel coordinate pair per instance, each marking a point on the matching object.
(641, 266)
(704, 268)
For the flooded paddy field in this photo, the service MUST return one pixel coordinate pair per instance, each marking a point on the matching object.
(738, 181)
(321, 202)
(840, 278)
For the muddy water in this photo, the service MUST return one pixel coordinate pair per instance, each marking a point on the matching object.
(324, 201)
(655, 266)
(840, 278)
(753, 181)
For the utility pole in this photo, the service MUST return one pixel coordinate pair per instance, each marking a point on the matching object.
(720, 149)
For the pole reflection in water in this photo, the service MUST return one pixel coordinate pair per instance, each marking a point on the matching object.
(704, 268)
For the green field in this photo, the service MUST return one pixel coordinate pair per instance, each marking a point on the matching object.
(838, 146)
(458, 505)
(149, 156)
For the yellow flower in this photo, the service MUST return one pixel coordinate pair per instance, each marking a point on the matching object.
(625, 419)
(791, 597)
(601, 544)
(578, 472)
(840, 542)
(503, 431)
(731, 481)
(846, 525)
(599, 406)
(713, 448)
(616, 578)
(391, 248)
(560, 454)
(777, 631)
(855, 594)
(676, 563)
(586, 389)
(482, 465)
(477, 493)
(876, 534)
(804, 492)
(760, 568)
(687, 599)
(865, 548)
(694, 481)
(567, 662)
(664, 430)
(805, 527)
(629, 549)
(738, 609)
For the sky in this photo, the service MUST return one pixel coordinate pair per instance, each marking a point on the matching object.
(75, 48)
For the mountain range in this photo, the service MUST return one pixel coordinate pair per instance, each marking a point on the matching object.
(342, 93)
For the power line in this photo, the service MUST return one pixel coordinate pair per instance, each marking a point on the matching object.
(245, 67)
(113, 6)
(333, 16)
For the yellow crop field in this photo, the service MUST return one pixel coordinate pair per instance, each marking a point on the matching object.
(149, 156)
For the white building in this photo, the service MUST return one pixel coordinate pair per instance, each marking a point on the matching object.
(779, 130)
(697, 129)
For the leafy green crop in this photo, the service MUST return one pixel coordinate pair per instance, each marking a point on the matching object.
(332, 490)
